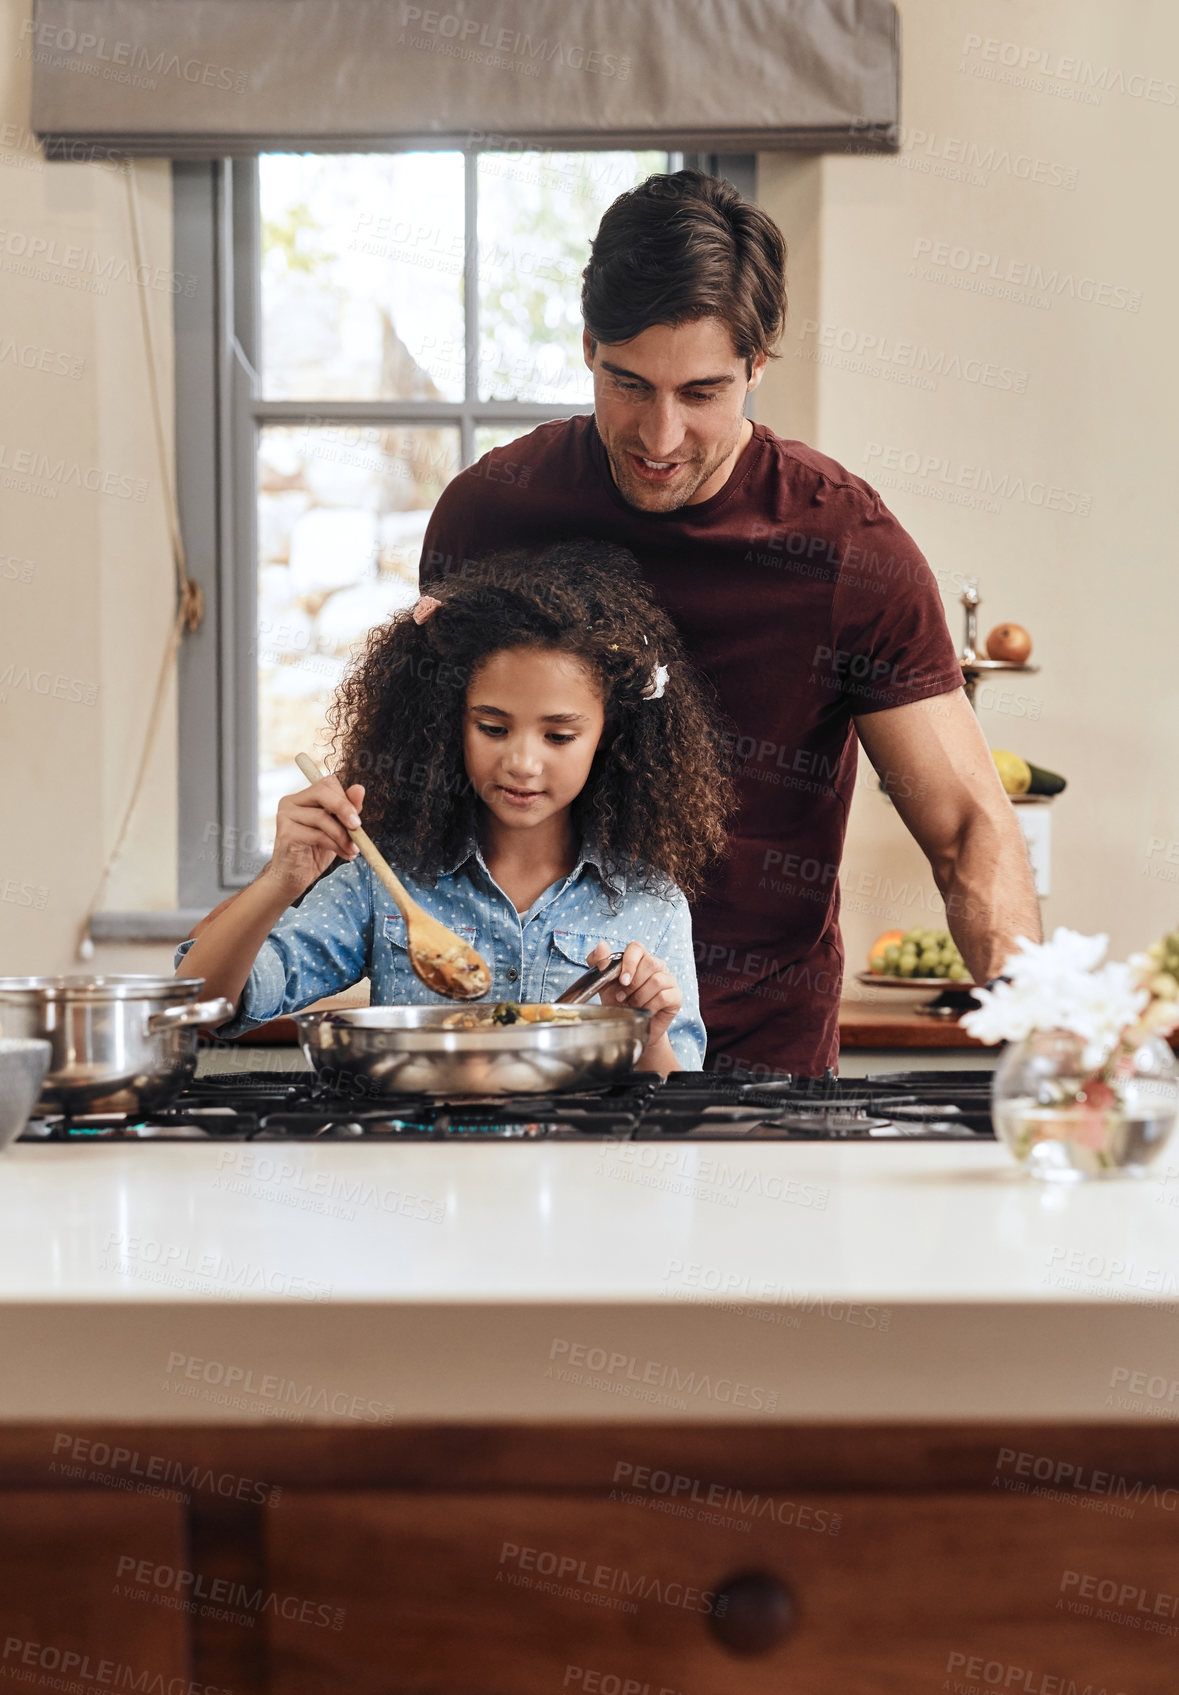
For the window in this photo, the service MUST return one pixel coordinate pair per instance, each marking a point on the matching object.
(365, 326)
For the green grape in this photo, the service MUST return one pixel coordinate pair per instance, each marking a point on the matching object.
(907, 967)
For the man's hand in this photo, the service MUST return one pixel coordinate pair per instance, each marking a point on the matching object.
(935, 764)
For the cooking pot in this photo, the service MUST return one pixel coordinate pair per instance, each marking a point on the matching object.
(118, 1044)
(393, 1050)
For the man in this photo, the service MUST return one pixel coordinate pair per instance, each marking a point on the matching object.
(797, 592)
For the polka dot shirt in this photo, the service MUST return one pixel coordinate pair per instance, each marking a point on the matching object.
(347, 928)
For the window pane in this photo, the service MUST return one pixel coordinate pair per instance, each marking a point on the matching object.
(537, 214)
(498, 435)
(362, 285)
(341, 516)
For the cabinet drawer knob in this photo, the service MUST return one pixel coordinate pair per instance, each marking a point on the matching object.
(754, 1611)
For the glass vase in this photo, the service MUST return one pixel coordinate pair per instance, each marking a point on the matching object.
(1064, 1120)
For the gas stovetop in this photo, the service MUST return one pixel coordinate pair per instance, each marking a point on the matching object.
(690, 1106)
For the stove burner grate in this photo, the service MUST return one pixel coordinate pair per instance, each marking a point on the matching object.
(700, 1106)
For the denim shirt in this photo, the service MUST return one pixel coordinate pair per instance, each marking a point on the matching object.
(347, 928)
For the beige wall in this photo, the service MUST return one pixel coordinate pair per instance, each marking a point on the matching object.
(86, 575)
(1099, 592)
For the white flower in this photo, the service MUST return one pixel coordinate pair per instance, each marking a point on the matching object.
(1099, 1006)
(1056, 986)
(1056, 961)
(1008, 1013)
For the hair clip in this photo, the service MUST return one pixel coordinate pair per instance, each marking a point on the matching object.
(654, 689)
(425, 608)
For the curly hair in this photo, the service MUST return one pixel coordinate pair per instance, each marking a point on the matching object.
(658, 792)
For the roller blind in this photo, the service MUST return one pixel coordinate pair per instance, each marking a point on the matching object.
(209, 78)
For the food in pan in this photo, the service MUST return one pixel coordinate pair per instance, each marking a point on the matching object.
(509, 1012)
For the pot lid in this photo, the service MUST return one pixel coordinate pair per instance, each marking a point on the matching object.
(90, 987)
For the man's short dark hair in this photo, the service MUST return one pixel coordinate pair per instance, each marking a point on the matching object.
(680, 248)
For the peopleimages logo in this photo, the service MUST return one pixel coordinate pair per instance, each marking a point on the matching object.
(41, 257)
(469, 34)
(939, 471)
(115, 60)
(617, 1372)
(1030, 65)
(1156, 1604)
(280, 1391)
(570, 1569)
(877, 352)
(191, 1587)
(42, 468)
(985, 268)
(110, 1674)
(641, 1481)
(1084, 1479)
(979, 1673)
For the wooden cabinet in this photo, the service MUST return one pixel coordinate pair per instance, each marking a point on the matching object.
(91, 1591)
(625, 1561)
(510, 1594)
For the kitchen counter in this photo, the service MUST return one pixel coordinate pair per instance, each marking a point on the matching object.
(276, 1416)
(247, 1283)
(890, 1019)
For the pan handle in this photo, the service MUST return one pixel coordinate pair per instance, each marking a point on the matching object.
(180, 1017)
(587, 986)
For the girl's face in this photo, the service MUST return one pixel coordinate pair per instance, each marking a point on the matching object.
(532, 725)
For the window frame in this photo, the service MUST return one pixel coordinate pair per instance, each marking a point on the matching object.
(219, 412)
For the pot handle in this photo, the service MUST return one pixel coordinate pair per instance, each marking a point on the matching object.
(587, 986)
(198, 1012)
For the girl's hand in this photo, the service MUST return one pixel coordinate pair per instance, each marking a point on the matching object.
(644, 983)
(311, 829)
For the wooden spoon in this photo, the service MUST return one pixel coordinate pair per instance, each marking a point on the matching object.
(444, 963)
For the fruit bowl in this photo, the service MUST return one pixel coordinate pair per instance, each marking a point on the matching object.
(951, 1001)
(879, 980)
(980, 663)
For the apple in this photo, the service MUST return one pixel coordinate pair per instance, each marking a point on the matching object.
(1009, 643)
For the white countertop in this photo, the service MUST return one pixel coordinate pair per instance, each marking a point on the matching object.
(246, 1283)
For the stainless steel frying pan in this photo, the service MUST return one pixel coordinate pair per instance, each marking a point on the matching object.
(392, 1050)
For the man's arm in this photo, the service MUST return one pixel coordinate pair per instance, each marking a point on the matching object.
(934, 761)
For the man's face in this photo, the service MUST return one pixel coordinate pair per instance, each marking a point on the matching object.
(670, 411)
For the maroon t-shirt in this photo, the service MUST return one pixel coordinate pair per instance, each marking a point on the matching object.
(799, 594)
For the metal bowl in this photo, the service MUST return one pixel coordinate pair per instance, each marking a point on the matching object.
(23, 1064)
(394, 1050)
(118, 1044)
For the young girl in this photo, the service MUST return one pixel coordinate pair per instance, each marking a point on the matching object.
(541, 766)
